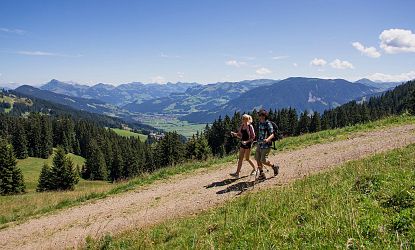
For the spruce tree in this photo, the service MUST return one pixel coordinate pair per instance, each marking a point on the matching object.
(202, 149)
(45, 180)
(95, 168)
(303, 123)
(61, 176)
(11, 177)
(46, 146)
(315, 124)
(19, 140)
(115, 169)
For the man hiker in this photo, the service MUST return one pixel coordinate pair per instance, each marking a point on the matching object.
(265, 135)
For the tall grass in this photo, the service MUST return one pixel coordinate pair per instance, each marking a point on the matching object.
(368, 203)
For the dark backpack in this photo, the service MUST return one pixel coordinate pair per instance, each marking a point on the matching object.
(277, 132)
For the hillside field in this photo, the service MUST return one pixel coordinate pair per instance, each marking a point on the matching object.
(127, 133)
(363, 204)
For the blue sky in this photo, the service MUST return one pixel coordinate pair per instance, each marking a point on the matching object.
(115, 42)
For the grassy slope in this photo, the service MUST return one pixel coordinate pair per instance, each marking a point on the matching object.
(127, 133)
(21, 207)
(9, 100)
(368, 203)
(17, 207)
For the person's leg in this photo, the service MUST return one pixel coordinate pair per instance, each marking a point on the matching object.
(258, 158)
(241, 158)
(247, 154)
(266, 162)
(261, 155)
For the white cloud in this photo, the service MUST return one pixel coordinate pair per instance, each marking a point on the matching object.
(279, 57)
(338, 64)
(14, 31)
(163, 55)
(180, 74)
(295, 64)
(158, 79)
(263, 71)
(368, 51)
(235, 63)
(392, 78)
(43, 53)
(318, 62)
(397, 40)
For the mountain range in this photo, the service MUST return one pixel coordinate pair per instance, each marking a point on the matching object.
(198, 98)
(297, 92)
(199, 103)
(117, 95)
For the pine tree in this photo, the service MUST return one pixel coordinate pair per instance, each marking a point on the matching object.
(44, 182)
(61, 176)
(315, 124)
(95, 168)
(303, 123)
(19, 140)
(202, 149)
(11, 177)
(115, 169)
(46, 146)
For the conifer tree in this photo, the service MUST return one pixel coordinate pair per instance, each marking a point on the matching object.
(11, 178)
(315, 124)
(45, 180)
(202, 149)
(115, 169)
(19, 140)
(94, 168)
(61, 176)
(46, 146)
(303, 123)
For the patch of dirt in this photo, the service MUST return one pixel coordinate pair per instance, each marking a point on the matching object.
(185, 195)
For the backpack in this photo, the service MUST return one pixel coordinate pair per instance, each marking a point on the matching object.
(277, 133)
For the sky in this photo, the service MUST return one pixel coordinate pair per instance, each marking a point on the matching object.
(91, 41)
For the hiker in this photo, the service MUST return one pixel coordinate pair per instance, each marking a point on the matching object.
(247, 135)
(264, 139)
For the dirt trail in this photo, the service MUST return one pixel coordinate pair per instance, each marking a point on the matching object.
(188, 194)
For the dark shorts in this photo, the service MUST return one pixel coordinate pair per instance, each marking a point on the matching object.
(245, 146)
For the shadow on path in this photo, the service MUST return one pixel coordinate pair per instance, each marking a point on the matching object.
(238, 187)
(221, 183)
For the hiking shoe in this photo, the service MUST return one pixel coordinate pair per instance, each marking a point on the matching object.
(276, 169)
(261, 176)
(236, 175)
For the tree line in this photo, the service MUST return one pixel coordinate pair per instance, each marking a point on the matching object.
(292, 123)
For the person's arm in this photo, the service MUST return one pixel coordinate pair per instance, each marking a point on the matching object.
(237, 134)
(251, 133)
(271, 132)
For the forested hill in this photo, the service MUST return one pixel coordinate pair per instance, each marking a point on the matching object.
(33, 104)
(296, 92)
(90, 105)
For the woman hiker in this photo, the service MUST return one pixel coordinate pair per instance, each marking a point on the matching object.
(247, 135)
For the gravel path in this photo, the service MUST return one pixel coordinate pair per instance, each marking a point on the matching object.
(184, 195)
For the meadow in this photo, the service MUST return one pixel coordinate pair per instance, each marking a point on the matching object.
(18, 208)
(171, 124)
(127, 133)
